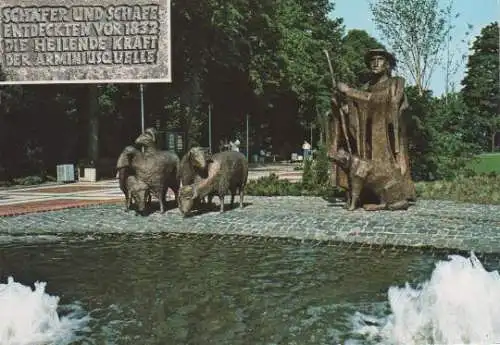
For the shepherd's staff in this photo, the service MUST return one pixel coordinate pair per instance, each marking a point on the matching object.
(342, 114)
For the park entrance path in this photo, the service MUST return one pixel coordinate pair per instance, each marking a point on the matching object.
(50, 197)
(436, 224)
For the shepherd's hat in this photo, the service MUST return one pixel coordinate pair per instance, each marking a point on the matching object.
(374, 52)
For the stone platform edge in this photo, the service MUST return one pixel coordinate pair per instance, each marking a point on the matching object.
(427, 224)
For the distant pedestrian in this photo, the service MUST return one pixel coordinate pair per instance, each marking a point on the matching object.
(235, 146)
(262, 155)
(306, 148)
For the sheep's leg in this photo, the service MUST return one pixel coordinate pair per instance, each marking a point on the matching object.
(175, 189)
(163, 200)
(147, 202)
(233, 193)
(242, 193)
(221, 200)
(127, 202)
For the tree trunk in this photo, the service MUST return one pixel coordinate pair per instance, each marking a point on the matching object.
(93, 116)
(493, 136)
(191, 101)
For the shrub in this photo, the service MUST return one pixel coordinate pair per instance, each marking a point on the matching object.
(308, 174)
(272, 186)
(482, 189)
(321, 167)
(29, 180)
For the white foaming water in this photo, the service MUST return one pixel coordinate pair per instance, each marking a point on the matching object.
(460, 304)
(29, 317)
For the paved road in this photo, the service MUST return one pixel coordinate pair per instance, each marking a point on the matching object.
(436, 224)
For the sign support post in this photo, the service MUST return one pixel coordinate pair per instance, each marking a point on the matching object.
(210, 127)
(141, 88)
(248, 137)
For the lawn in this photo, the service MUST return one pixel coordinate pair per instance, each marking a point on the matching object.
(485, 163)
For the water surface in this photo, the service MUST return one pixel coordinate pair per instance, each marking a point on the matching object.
(210, 290)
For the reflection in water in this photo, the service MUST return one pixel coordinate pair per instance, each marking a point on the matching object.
(202, 290)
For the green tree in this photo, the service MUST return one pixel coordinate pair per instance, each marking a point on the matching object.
(263, 58)
(481, 88)
(423, 163)
(416, 30)
(438, 134)
(354, 47)
(449, 134)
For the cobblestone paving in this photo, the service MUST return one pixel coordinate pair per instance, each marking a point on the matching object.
(437, 224)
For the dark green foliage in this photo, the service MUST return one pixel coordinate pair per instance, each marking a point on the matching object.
(29, 180)
(308, 174)
(423, 165)
(315, 181)
(354, 47)
(316, 171)
(481, 90)
(263, 58)
(321, 167)
(451, 149)
(438, 145)
(482, 189)
(272, 186)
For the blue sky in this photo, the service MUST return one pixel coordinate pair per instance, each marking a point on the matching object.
(479, 13)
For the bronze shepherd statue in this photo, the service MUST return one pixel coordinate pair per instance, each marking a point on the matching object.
(368, 125)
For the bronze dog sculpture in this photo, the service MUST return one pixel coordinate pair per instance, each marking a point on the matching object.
(386, 182)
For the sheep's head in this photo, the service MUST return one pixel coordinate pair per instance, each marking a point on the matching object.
(197, 158)
(152, 132)
(146, 139)
(187, 197)
(140, 195)
(139, 192)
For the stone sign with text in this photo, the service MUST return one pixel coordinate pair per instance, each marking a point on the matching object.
(84, 41)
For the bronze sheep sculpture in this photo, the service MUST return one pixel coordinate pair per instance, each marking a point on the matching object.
(139, 192)
(227, 173)
(156, 168)
(192, 179)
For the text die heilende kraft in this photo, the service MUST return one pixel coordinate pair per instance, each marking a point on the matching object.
(80, 35)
